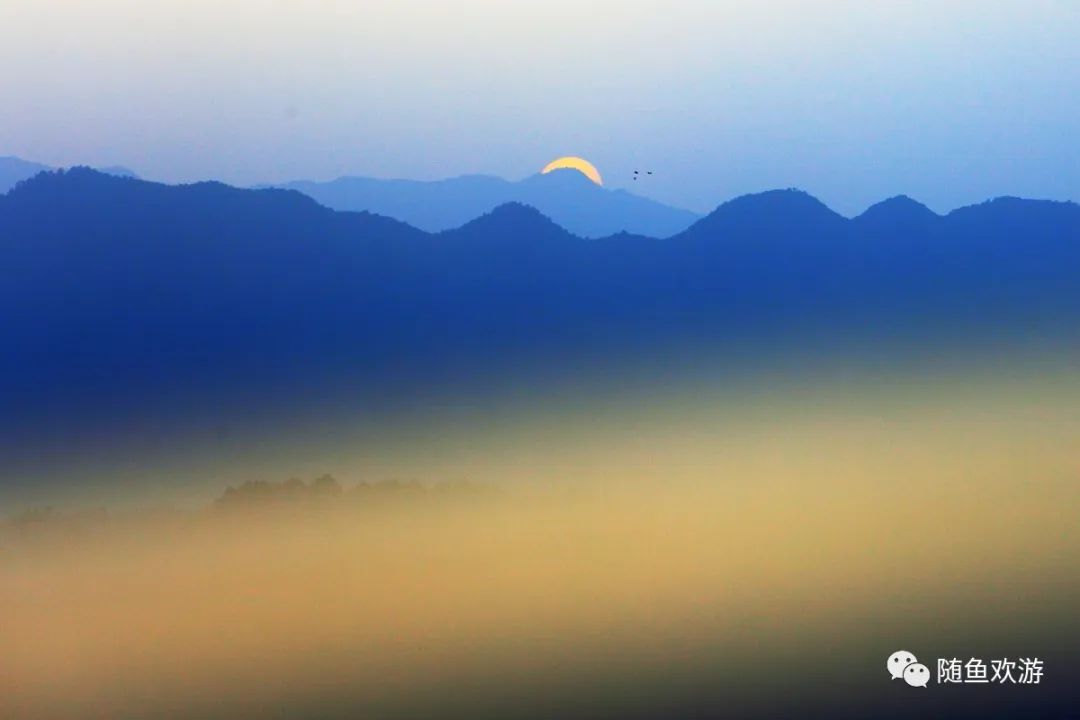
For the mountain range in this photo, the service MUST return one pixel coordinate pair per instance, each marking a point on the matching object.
(566, 196)
(14, 170)
(125, 298)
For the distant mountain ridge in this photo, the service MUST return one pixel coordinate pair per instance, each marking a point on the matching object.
(566, 196)
(14, 170)
(772, 212)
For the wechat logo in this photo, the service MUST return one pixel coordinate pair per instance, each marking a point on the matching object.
(903, 665)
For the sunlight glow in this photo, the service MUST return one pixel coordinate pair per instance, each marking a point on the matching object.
(583, 166)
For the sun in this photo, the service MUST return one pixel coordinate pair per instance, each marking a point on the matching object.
(583, 166)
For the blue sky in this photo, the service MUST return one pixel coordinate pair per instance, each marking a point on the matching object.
(853, 101)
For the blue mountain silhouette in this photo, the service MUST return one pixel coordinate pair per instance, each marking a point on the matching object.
(776, 213)
(897, 214)
(120, 294)
(14, 170)
(566, 196)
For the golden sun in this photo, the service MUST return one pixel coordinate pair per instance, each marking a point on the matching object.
(583, 166)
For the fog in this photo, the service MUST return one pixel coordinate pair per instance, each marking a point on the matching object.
(769, 564)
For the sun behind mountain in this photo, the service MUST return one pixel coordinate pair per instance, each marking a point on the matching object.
(570, 162)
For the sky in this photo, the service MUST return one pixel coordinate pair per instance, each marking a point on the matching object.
(949, 102)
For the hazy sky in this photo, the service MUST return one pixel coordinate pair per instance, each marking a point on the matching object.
(951, 102)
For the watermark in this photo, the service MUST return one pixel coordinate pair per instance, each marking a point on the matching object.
(903, 665)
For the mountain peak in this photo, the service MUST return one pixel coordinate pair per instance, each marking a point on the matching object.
(1021, 214)
(515, 212)
(898, 212)
(14, 171)
(87, 187)
(564, 177)
(769, 212)
(513, 219)
(790, 201)
(78, 176)
(902, 203)
(1011, 202)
